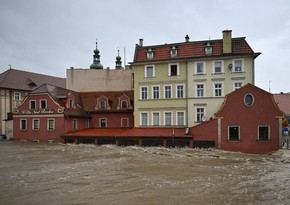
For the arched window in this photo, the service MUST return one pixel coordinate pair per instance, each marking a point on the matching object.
(103, 104)
(124, 104)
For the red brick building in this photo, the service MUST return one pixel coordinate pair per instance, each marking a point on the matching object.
(249, 121)
(47, 112)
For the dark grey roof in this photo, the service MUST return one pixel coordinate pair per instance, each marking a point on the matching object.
(24, 80)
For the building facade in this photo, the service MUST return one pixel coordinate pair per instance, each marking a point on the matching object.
(183, 84)
(249, 121)
(15, 85)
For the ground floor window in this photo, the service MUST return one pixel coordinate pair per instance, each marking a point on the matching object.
(263, 133)
(234, 133)
(50, 124)
(35, 124)
(23, 124)
(103, 122)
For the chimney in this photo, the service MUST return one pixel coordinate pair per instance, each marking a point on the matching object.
(227, 41)
(186, 38)
(141, 42)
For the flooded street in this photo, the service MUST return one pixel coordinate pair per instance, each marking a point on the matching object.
(39, 173)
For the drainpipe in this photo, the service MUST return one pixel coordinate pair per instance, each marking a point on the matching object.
(186, 93)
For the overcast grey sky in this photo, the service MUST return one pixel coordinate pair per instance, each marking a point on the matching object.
(49, 36)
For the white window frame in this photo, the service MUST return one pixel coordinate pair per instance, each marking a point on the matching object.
(173, 51)
(166, 118)
(222, 89)
(30, 101)
(141, 120)
(33, 124)
(48, 124)
(145, 71)
(164, 93)
(154, 120)
(177, 119)
(169, 69)
(183, 90)
(196, 90)
(199, 113)
(141, 93)
(203, 68)
(222, 66)
(100, 122)
(155, 86)
(150, 53)
(234, 70)
(17, 96)
(23, 120)
(235, 87)
(40, 102)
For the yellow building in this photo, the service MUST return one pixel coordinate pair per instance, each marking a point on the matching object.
(183, 84)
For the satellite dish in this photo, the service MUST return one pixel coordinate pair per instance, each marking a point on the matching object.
(204, 118)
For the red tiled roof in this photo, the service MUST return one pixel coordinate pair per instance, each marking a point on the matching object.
(89, 99)
(193, 49)
(283, 102)
(128, 132)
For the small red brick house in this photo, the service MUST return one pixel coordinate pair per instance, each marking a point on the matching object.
(47, 112)
(248, 121)
(109, 109)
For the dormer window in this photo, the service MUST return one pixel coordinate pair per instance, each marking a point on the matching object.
(150, 53)
(103, 104)
(173, 51)
(208, 48)
(124, 104)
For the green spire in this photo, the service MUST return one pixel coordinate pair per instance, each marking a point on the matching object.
(96, 63)
(118, 61)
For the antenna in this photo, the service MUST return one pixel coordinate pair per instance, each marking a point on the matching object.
(269, 86)
(124, 57)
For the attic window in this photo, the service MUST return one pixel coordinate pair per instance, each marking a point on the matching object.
(173, 51)
(249, 99)
(124, 104)
(150, 53)
(208, 48)
(103, 104)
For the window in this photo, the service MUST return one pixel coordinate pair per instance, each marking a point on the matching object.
(238, 65)
(199, 114)
(208, 48)
(103, 104)
(87, 123)
(144, 119)
(167, 118)
(42, 104)
(263, 133)
(71, 103)
(156, 118)
(233, 133)
(32, 104)
(23, 124)
(237, 85)
(199, 90)
(75, 124)
(50, 124)
(217, 67)
(155, 90)
(249, 99)
(149, 71)
(173, 51)
(179, 91)
(124, 104)
(199, 68)
(144, 93)
(150, 53)
(180, 118)
(35, 124)
(218, 89)
(124, 122)
(173, 70)
(167, 91)
(103, 122)
(17, 96)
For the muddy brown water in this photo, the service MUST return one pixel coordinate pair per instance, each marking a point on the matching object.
(41, 173)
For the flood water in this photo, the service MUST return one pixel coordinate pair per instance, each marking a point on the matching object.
(40, 173)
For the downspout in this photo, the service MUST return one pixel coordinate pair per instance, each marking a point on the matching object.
(186, 93)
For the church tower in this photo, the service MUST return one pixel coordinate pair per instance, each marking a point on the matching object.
(96, 63)
(118, 61)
